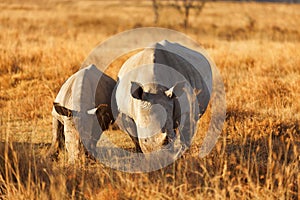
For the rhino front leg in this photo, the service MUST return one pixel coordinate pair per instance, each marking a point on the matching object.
(127, 124)
(71, 141)
(135, 140)
(58, 138)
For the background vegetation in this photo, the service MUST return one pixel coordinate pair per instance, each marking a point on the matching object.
(256, 48)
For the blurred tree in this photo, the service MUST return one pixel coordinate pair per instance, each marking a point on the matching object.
(183, 6)
(155, 9)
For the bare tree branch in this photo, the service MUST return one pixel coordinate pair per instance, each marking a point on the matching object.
(183, 6)
(155, 9)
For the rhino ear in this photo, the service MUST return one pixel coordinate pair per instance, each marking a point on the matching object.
(136, 90)
(62, 110)
(176, 90)
(101, 108)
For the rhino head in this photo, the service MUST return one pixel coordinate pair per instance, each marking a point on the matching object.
(154, 109)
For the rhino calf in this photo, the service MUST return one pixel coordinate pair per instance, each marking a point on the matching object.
(85, 94)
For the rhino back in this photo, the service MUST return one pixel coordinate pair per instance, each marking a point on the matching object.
(86, 89)
(195, 73)
(192, 67)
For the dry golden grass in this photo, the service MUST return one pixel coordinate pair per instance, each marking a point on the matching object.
(256, 48)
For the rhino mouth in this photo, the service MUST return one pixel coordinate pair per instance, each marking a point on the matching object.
(169, 139)
(157, 142)
(152, 143)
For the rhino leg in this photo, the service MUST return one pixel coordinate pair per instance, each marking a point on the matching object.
(58, 138)
(136, 143)
(127, 124)
(90, 146)
(71, 140)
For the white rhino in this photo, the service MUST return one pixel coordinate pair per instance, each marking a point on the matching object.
(161, 93)
(154, 95)
(74, 111)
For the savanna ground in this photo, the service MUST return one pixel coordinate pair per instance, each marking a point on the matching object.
(256, 48)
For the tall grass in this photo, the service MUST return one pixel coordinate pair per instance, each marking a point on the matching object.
(256, 48)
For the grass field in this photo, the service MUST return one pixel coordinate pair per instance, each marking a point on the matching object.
(256, 48)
